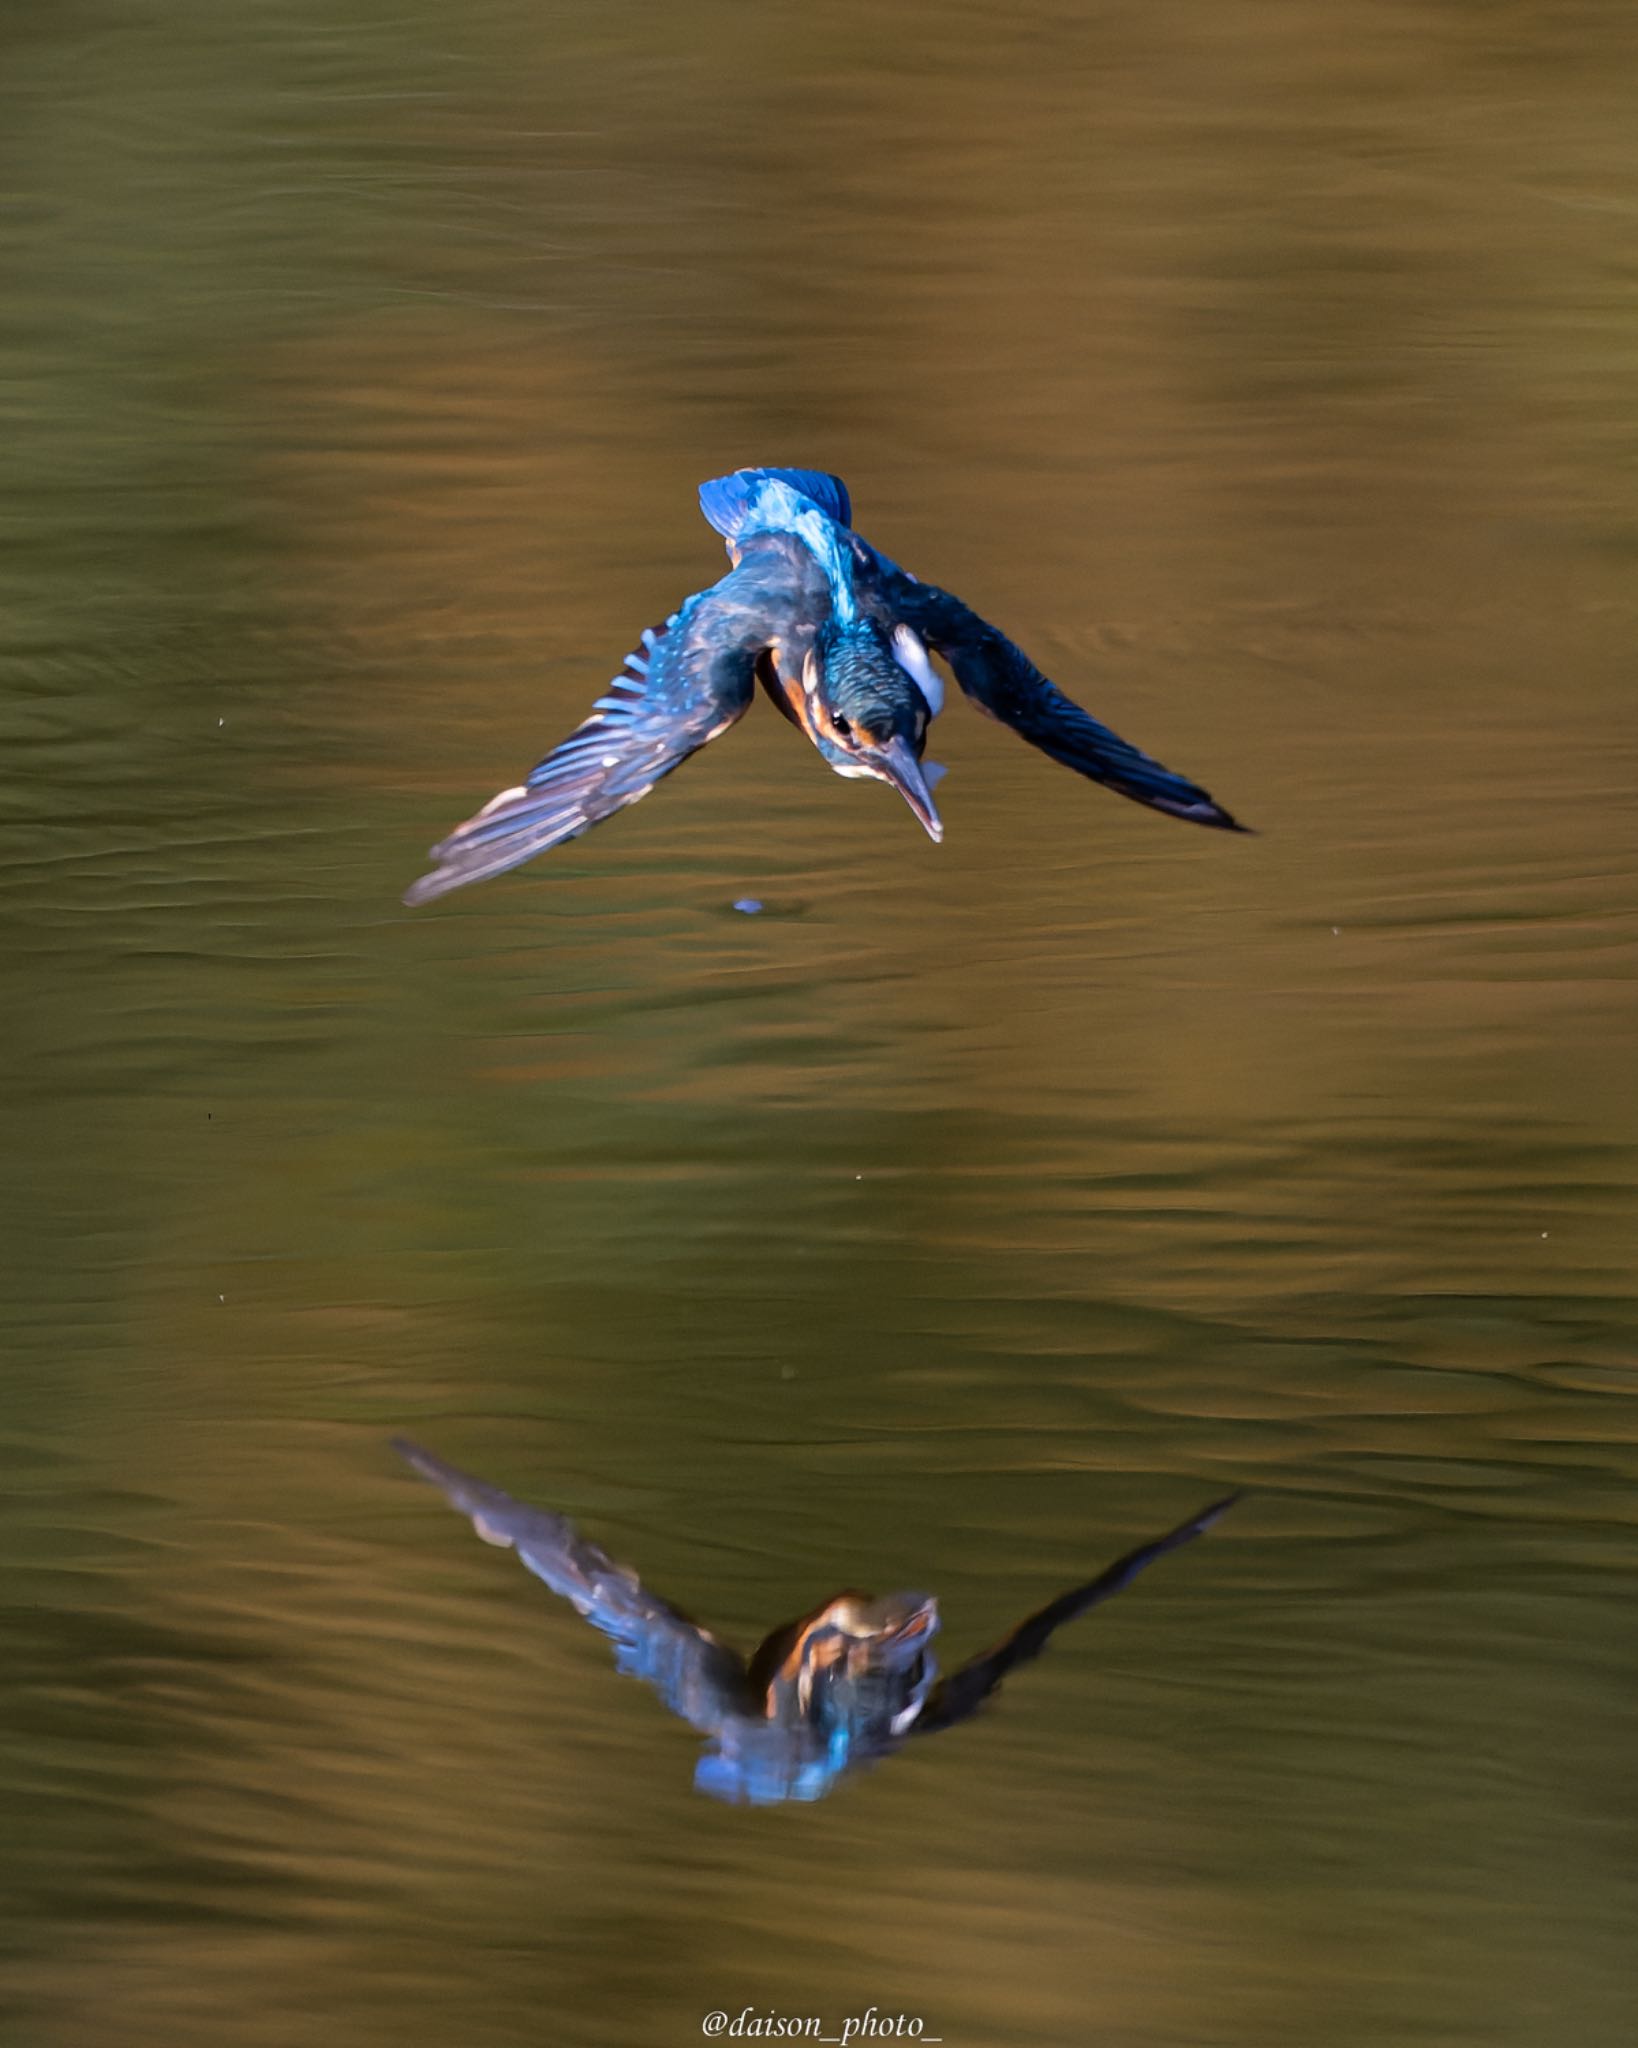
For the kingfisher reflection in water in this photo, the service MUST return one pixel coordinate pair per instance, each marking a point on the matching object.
(840, 1687)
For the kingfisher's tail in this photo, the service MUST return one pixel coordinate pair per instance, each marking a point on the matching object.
(726, 500)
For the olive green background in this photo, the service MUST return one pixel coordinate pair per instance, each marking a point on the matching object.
(1271, 371)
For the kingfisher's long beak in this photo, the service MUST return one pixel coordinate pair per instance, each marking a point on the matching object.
(897, 764)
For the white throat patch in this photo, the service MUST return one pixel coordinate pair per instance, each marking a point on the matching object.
(911, 656)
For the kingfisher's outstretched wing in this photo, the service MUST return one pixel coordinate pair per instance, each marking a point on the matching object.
(1002, 680)
(689, 680)
(965, 1690)
(698, 1677)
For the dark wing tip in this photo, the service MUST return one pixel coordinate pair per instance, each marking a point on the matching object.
(424, 890)
(421, 1459)
(1198, 809)
(1218, 1509)
(460, 862)
(461, 1489)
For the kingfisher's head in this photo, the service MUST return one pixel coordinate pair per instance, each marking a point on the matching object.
(869, 696)
(858, 1665)
(868, 1668)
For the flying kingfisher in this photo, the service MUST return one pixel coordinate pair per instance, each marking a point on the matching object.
(841, 1687)
(838, 637)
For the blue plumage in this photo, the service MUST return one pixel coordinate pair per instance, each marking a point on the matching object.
(838, 636)
(728, 501)
(841, 1687)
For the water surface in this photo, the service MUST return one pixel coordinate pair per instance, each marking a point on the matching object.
(969, 1214)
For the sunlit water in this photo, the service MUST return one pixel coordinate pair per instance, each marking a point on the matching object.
(968, 1214)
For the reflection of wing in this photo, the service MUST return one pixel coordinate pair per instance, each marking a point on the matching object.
(689, 680)
(959, 1695)
(697, 1677)
(1002, 680)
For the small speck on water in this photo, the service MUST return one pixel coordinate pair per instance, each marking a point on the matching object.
(748, 906)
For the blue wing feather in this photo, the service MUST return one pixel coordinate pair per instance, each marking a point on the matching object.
(688, 681)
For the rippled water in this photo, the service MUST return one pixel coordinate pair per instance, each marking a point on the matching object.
(970, 1213)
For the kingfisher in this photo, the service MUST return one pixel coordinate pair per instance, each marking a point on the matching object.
(838, 636)
(839, 1688)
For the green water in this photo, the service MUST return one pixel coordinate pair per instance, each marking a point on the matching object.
(972, 1212)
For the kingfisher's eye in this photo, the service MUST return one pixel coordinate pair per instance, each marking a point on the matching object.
(843, 729)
